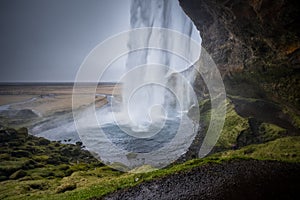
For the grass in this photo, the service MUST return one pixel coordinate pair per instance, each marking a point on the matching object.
(239, 131)
(104, 180)
(233, 126)
(270, 132)
(279, 83)
(285, 149)
(49, 174)
(98, 181)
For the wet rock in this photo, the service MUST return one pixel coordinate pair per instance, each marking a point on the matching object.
(255, 45)
(79, 143)
(238, 179)
(43, 141)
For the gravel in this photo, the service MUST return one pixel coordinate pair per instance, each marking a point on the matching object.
(236, 179)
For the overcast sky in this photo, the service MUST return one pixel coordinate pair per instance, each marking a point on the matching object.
(47, 40)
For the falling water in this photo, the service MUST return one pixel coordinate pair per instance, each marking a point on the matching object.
(151, 102)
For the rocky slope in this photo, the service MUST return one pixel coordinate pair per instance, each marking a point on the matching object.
(239, 179)
(255, 44)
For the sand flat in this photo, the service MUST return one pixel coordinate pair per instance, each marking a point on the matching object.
(10, 99)
(49, 99)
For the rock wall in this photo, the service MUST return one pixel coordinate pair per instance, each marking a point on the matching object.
(255, 43)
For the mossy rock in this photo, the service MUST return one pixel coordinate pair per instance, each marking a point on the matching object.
(53, 161)
(43, 141)
(30, 164)
(9, 167)
(20, 153)
(45, 173)
(233, 126)
(5, 156)
(38, 185)
(18, 174)
(271, 132)
(285, 149)
(63, 167)
(259, 132)
(60, 174)
(7, 135)
(22, 132)
(65, 187)
(14, 143)
(40, 158)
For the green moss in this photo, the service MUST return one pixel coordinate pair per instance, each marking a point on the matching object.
(65, 187)
(101, 180)
(79, 180)
(233, 126)
(283, 149)
(5, 156)
(89, 182)
(278, 82)
(259, 133)
(43, 172)
(18, 174)
(295, 117)
(40, 158)
(9, 167)
(270, 132)
(37, 185)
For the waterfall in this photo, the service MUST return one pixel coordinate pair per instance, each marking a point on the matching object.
(146, 103)
(154, 118)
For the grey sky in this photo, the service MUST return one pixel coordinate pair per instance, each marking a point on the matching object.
(47, 40)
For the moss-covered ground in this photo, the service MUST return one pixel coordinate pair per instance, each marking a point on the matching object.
(31, 174)
(36, 168)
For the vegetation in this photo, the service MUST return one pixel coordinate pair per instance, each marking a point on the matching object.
(285, 149)
(295, 118)
(275, 81)
(233, 126)
(240, 131)
(36, 168)
(41, 172)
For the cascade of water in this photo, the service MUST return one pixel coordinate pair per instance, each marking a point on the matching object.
(154, 121)
(141, 103)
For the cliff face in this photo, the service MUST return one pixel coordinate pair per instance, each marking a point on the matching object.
(255, 44)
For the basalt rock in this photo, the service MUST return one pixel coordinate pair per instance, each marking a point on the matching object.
(255, 44)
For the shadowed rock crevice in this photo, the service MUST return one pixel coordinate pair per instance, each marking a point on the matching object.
(255, 44)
